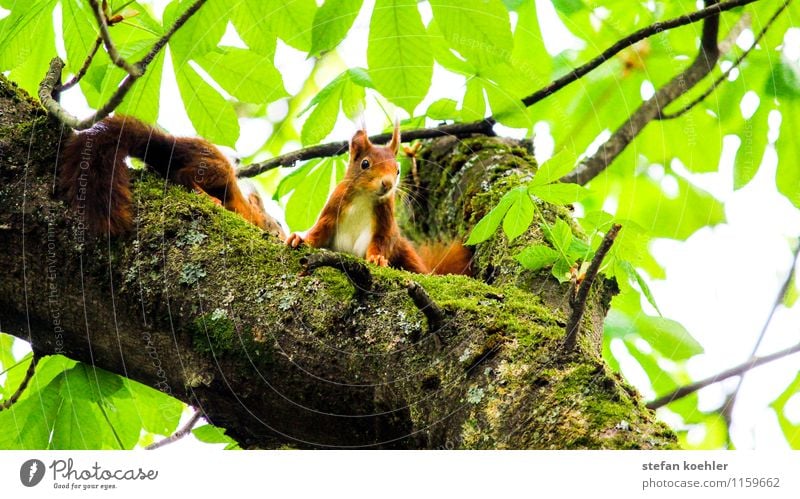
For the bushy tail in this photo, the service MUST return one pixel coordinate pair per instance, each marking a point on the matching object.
(447, 258)
(94, 177)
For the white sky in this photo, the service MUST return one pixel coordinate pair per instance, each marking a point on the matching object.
(721, 283)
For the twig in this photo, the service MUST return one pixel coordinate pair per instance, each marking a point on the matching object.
(705, 61)
(432, 312)
(579, 303)
(336, 148)
(356, 271)
(82, 72)
(182, 432)
(731, 400)
(700, 98)
(486, 125)
(729, 373)
(619, 46)
(49, 85)
(111, 49)
(24, 384)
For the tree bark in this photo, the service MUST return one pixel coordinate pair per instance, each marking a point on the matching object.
(198, 304)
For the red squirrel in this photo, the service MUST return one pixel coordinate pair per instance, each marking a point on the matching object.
(94, 177)
(358, 218)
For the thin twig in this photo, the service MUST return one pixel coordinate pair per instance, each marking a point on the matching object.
(729, 373)
(182, 432)
(432, 312)
(356, 271)
(701, 66)
(82, 72)
(486, 125)
(48, 86)
(731, 401)
(24, 384)
(336, 148)
(111, 49)
(700, 98)
(579, 304)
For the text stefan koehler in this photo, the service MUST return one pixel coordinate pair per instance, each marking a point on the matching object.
(96, 472)
(685, 466)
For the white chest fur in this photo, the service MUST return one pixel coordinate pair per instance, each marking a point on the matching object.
(354, 228)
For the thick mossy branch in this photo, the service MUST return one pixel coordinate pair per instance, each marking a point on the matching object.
(196, 303)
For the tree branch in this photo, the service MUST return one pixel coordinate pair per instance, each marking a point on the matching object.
(731, 401)
(182, 432)
(336, 148)
(579, 304)
(111, 49)
(700, 98)
(49, 86)
(486, 125)
(82, 71)
(705, 61)
(734, 371)
(356, 271)
(24, 384)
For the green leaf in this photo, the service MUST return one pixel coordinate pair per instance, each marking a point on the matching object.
(143, 99)
(560, 194)
(89, 383)
(474, 106)
(787, 176)
(332, 21)
(790, 430)
(321, 120)
(520, 214)
(569, 7)
(201, 33)
(629, 273)
(443, 109)
(293, 179)
(753, 135)
(252, 22)
(553, 169)
(536, 257)
(784, 80)
(559, 235)
(643, 201)
(78, 426)
(79, 31)
(30, 71)
(245, 74)
(478, 29)
(666, 336)
(20, 31)
(347, 89)
(212, 116)
(487, 225)
(398, 53)
(292, 21)
(214, 435)
(309, 197)
(158, 412)
(792, 293)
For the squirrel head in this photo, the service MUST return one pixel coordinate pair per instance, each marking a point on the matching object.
(374, 169)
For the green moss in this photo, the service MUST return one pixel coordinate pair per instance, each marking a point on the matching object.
(214, 333)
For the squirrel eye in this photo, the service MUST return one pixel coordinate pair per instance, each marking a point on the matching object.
(364, 164)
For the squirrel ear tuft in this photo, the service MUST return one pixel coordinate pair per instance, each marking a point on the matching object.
(359, 143)
(394, 144)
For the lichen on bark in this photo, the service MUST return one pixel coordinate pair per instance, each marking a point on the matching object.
(280, 358)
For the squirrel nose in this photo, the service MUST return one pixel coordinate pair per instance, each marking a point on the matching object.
(386, 184)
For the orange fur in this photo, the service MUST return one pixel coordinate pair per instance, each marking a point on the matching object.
(94, 177)
(371, 191)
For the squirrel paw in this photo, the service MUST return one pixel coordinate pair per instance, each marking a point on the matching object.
(378, 260)
(294, 240)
